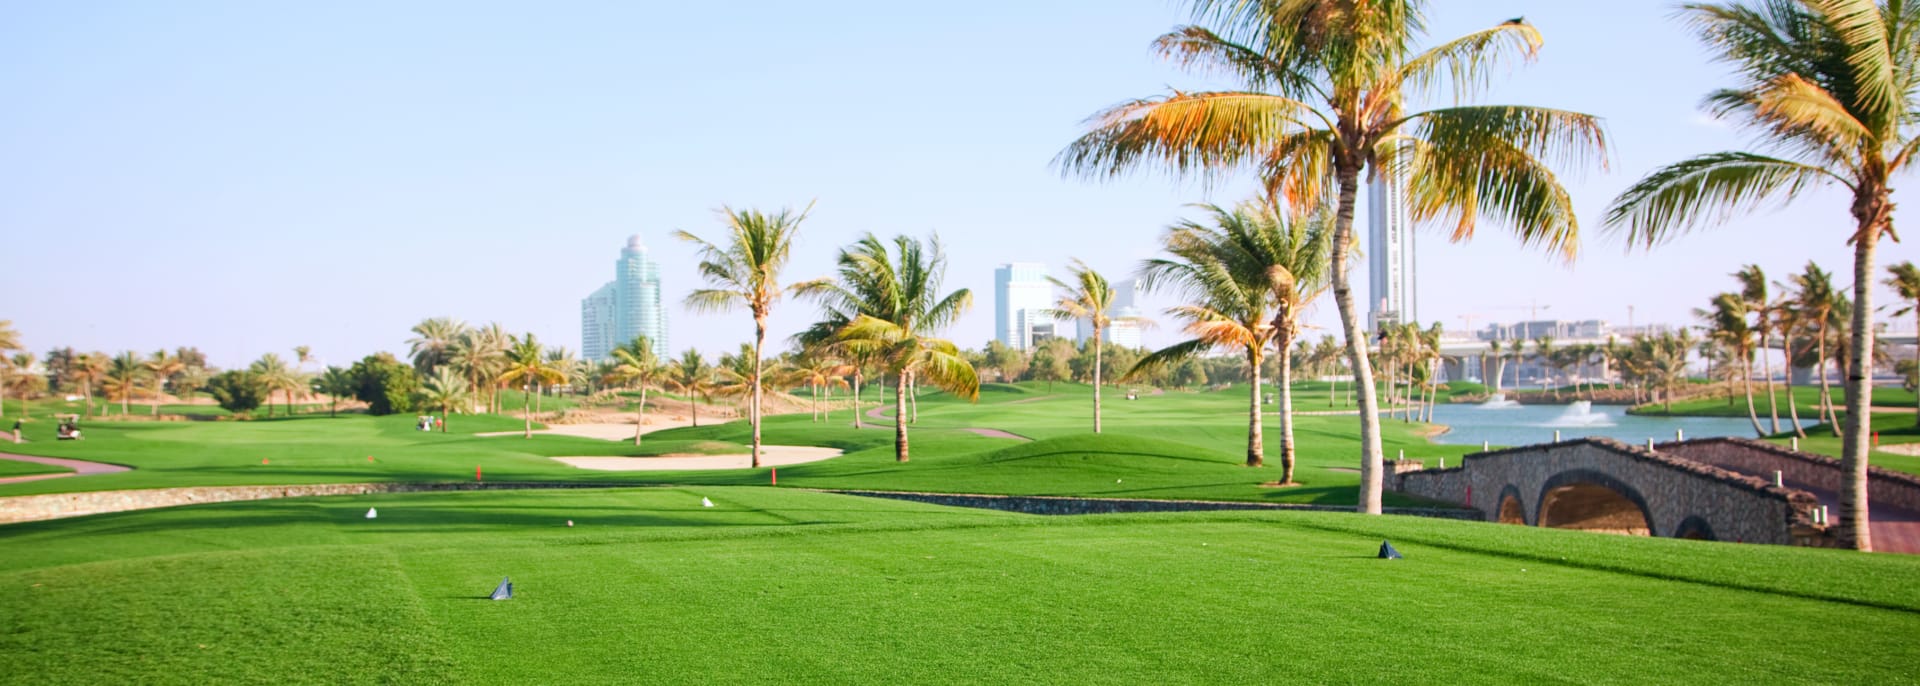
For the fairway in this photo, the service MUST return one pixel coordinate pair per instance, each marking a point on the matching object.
(782, 586)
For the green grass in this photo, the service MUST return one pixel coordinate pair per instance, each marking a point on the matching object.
(1807, 397)
(15, 468)
(777, 586)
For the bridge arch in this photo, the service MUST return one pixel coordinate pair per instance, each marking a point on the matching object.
(1695, 527)
(1510, 509)
(1589, 500)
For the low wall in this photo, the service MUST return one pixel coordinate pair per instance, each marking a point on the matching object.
(1065, 505)
(1898, 489)
(29, 508)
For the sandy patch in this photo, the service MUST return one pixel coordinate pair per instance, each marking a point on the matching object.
(770, 456)
(1908, 449)
(606, 432)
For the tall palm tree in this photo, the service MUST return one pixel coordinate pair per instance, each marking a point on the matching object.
(1904, 278)
(562, 361)
(1225, 305)
(90, 369)
(1088, 297)
(124, 374)
(161, 365)
(480, 354)
(819, 369)
(635, 364)
(1727, 326)
(888, 307)
(1327, 351)
(276, 375)
(692, 377)
(337, 383)
(433, 341)
(527, 365)
(745, 272)
(1324, 85)
(1815, 296)
(9, 340)
(1542, 352)
(1829, 85)
(445, 390)
(1753, 289)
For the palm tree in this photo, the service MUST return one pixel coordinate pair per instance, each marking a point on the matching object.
(161, 365)
(1828, 84)
(562, 361)
(1753, 289)
(90, 369)
(9, 340)
(1905, 280)
(337, 383)
(1324, 89)
(1327, 353)
(635, 364)
(433, 342)
(887, 305)
(445, 390)
(274, 373)
(692, 377)
(124, 374)
(1087, 297)
(1814, 295)
(1226, 305)
(481, 355)
(818, 369)
(527, 365)
(1727, 326)
(745, 272)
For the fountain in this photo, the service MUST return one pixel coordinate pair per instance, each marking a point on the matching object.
(1580, 414)
(1499, 401)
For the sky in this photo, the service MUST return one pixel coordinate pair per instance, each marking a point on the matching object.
(247, 177)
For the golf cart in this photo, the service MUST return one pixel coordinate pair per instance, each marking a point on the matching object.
(69, 427)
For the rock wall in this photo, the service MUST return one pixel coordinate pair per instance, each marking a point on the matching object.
(1899, 489)
(1677, 496)
(1062, 505)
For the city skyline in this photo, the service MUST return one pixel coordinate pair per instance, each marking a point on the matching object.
(626, 308)
(336, 200)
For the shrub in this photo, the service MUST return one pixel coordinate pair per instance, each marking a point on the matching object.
(238, 391)
(385, 384)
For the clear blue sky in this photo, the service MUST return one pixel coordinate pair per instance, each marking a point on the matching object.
(247, 177)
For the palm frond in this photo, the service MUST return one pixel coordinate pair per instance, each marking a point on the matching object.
(1705, 190)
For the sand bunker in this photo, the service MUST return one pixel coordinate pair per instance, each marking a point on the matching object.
(605, 432)
(770, 456)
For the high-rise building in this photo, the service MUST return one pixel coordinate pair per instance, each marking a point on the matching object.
(1390, 273)
(1022, 295)
(626, 308)
(1124, 330)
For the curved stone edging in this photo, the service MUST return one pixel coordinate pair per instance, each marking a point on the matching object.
(29, 508)
(79, 467)
(1069, 505)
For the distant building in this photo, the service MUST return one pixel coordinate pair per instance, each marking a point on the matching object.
(627, 307)
(1022, 295)
(1126, 334)
(1390, 263)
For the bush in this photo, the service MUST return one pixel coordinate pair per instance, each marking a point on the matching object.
(238, 391)
(385, 384)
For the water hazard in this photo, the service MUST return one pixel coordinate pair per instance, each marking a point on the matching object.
(1500, 421)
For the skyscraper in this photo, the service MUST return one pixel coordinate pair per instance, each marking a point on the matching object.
(1021, 296)
(1390, 275)
(627, 307)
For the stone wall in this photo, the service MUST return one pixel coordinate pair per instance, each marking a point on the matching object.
(1899, 489)
(1677, 496)
(1063, 505)
(29, 508)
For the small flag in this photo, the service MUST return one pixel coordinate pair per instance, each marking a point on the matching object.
(705, 502)
(504, 591)
(1387, 552)
(372, 513)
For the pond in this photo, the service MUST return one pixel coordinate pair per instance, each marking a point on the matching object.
(1503, 422)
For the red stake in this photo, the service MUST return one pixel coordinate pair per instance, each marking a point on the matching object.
(776, 476)
(476, 472)
(1876, 439)
(369, 458)
(263, 460)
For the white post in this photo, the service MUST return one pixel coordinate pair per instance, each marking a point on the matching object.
(1403, 453)
(1777, 480)
(1649, 442)
(1556, 435)
(1443, 463)
(1486, 446)
(1795, 443)
(1679, 435)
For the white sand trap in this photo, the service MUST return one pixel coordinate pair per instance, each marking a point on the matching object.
(770, 456)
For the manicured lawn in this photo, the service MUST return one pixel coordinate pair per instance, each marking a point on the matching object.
(1807, 397)
(13, 468)
(1175, 445)
(778, 586)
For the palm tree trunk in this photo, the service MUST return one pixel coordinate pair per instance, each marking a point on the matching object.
(1752, 414)
(526, 415)
(1096, 377)
(1793, 404)
(155, 405)
(1256, 452)
(443, 417)
(913, 397)
(694, 402)
(1766, 367)
(1285, 382)
(1855, 524)
(1370, 454)
(1826, 389)
(759, 338)
(900, 418)
(640, 416)
(856, 398)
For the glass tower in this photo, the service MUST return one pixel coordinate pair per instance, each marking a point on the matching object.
(626, 308)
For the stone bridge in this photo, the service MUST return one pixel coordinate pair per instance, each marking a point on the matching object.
(1724, 489)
